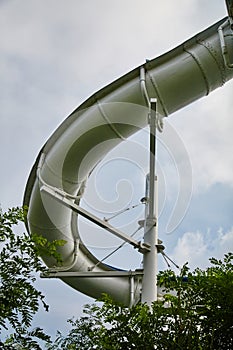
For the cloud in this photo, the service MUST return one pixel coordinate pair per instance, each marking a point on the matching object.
(84, 39)
(197, 247)
(206, 130)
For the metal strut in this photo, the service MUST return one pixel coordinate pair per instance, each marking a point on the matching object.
(149, 281)
(142, 247)
(150, 264)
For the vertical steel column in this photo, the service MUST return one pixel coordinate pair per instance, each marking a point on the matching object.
(149, 282)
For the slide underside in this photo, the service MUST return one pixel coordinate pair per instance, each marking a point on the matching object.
(176, 79)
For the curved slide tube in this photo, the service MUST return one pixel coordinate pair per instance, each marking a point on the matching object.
(177, 78)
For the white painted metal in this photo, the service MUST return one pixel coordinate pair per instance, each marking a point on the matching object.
(150, 259)
(90, 274)
(181, 76)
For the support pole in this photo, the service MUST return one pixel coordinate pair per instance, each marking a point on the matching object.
(149, 282)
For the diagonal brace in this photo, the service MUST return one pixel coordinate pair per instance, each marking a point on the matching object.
(141, 246)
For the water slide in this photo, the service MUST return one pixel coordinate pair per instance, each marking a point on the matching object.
(60, 174)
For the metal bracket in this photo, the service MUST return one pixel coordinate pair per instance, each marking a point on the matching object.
(229, 4)
(151, 102)
(224, 49)
(142, 247)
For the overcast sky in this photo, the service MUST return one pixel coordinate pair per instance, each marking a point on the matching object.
(54, 54)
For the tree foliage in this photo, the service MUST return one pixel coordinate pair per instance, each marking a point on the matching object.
(197, 316)
(196, 312)
(19, 263)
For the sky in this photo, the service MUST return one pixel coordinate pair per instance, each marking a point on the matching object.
(54, 55)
